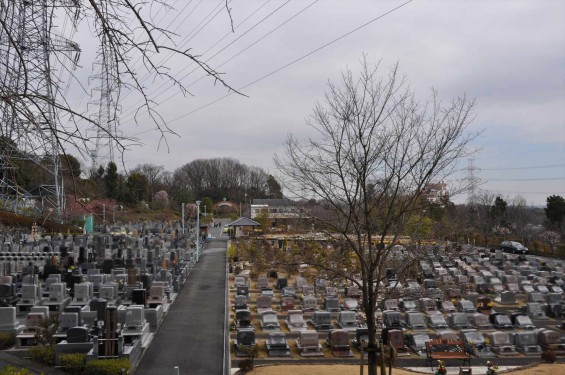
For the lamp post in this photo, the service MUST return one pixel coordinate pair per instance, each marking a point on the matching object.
(245, 204)
(182, 213)
(197, 230)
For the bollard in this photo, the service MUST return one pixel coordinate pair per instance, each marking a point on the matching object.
(176, 370)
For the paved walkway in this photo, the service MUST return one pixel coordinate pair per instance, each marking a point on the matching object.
(192, 334)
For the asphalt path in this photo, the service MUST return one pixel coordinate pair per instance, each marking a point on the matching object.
(192, 333)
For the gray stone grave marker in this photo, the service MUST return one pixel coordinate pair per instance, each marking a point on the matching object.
(508, 298)
(264, 303)
(309, 303)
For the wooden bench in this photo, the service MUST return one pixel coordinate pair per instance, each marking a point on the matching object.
(440, 349)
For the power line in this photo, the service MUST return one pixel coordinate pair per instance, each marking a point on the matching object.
(238, 53)
(128, 116)
(513, 168)
(523, 192)
(294, 61)
(526, 179)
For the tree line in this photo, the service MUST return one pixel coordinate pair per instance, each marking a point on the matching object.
(217, 179)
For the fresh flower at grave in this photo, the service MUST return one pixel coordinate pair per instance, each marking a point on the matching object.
(492, 369)
(441, 370)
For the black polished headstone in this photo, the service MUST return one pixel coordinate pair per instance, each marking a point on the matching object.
(138, 297)
(82, 255)
(77, 335)
(99, 305)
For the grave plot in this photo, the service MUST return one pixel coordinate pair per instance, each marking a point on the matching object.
(457, 303)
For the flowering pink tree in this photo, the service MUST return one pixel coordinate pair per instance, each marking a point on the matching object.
(161, 199)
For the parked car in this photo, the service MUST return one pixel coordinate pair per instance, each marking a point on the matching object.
(513, 247)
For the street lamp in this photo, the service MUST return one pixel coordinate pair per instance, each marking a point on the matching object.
(182, 213)
(197, 230)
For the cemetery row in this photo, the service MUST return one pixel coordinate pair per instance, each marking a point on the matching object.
(107, 293)
(495, 304)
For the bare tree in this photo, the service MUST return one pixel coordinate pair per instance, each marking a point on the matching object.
(36, 109)
(377, 149)
(153, 173)
(552, 239)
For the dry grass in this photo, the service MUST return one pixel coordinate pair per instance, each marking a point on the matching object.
(544, 369)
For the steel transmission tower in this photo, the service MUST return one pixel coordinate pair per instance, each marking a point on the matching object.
(28, 88)
(106, 116)
(472, 181)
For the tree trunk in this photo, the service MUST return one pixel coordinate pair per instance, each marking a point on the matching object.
(369, 298)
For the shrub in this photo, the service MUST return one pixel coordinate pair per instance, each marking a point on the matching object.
(116, 366)
(11, 370)
(73, 363)
(7, 340)
(548, 356)
(247, 364)
(43, 354)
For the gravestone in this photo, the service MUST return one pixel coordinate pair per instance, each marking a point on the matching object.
(331, 304)
(322, 320)
(74, 309)
(308, 290)
(391, 304)
(437, 321)
(242, 290)
(83, 293)
(287, 303)
(78, 335)
(295, 321)
(308, 344)
(534, 310)
(339, 343)
(508, 298)
(332, 291)
(347, 320)
(536, 297)
(99, 306)
(309, 303)
(264, 303)
(262, 282)
(269, 320)
(68, 320)
(8, 321)
(553, 298)
(240, 302)
(138, 297)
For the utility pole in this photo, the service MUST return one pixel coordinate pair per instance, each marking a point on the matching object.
(197, 230)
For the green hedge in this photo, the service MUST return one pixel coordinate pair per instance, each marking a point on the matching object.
(43, 354)
(116, 366)
(7, 340)
(11, 370)
(73, 363)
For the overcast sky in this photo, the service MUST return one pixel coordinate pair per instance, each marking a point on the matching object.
(509, 55)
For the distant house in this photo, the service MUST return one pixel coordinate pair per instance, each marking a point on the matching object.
(242, 226)
(435, 192)
(279, 210)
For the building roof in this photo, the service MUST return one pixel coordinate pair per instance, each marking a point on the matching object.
(244, 222)
(274, 202)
